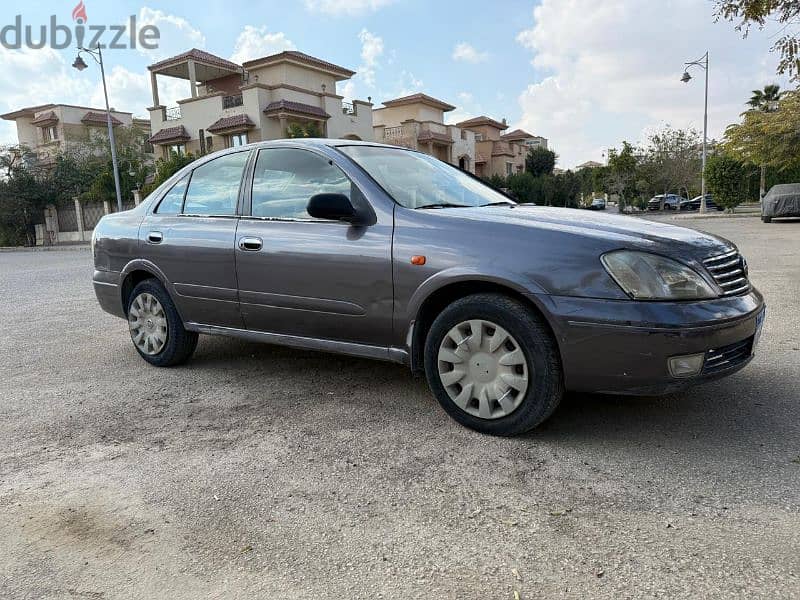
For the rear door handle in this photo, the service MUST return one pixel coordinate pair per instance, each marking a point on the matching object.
(155, 237)
(250, 244)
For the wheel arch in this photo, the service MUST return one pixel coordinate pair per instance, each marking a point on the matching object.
(135, 272)
(439, 298)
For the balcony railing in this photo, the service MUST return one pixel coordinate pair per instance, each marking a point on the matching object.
(173, 113)
(393, 133)
(232, 101)
(348, 108)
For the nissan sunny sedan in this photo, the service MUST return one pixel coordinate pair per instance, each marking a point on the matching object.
(387, 253)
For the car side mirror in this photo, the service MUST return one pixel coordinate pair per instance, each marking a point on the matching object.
(335, 207)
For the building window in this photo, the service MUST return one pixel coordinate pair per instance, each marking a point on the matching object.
(50, 134)
(237, 139)
(478, 137)
(179, 149)
(209, 144)
(509, 168)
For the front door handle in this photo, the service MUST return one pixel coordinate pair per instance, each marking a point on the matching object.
(155, 237)
(250, 244)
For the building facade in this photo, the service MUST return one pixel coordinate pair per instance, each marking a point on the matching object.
(523, 137)
(52, 129)
(417, 122)
(230, 104)
(494, 156)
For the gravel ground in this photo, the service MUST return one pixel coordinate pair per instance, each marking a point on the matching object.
(261, 472)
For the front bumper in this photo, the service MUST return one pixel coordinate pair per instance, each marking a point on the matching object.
(623, 347)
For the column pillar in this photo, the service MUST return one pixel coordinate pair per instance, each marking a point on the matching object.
(137, 197)
(192, 78)
(282, 125)
(106, 208)
(154, 88)
(78, 216)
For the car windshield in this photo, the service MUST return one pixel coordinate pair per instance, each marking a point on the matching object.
(416, 180)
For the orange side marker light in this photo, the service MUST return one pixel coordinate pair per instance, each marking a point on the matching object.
(418, 260)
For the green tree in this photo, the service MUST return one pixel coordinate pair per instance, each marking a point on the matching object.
(166, 168)
(765, 100)
(622, 173)
(496, 180)
(301, 130)
(670, 161)
(522, 186)
(540, 161)
(725, 177)
(748, 13)
(768, 138)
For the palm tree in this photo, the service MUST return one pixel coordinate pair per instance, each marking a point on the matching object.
(765, 100)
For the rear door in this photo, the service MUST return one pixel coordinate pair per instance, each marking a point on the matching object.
(191, 235)
(311, 277)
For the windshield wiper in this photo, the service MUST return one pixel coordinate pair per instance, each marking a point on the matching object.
(501, 203)
(443, 205)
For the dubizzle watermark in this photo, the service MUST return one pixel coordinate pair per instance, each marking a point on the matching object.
(80, 34)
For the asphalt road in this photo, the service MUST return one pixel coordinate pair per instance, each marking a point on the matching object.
(260, 472)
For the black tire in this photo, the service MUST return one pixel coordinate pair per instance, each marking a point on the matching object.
(180, 343)
(546, 386)
(766, 219)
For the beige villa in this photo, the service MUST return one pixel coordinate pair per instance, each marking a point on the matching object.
(521, 136)
(417, 122)
(51, 129)
(494, 156)
(230, 104)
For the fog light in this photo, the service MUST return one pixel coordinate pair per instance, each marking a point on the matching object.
(686, 365)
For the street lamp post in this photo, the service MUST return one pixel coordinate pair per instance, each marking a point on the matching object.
(701, 62)
(80, 64)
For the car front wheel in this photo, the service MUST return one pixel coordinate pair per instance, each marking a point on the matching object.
(493, 365)
(156, 328)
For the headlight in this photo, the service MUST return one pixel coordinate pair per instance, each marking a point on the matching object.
(645, 276)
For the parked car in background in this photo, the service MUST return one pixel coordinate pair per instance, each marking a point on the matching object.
(694, 203)
(665, 202)
(782, 200)
(387, 253)
(597, 204)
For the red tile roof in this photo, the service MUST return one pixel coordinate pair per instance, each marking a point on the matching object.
(170, 134)
(434, 136)
(48, 117)
(296, 107)
(517, 134)
(229, 123)
(482, 120)
(199, 56)
(423, 98)
(299, 57)
(98, 118)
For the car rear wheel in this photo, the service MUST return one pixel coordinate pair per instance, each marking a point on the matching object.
(493, 365)
(156, 328)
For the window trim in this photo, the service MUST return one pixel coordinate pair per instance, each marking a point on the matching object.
(247, 213)
(239, 198)
(188, 177)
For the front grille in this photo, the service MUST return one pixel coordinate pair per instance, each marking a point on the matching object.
(729, 270)
(727, 357)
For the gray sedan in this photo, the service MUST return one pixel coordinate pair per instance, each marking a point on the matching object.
(387, 253)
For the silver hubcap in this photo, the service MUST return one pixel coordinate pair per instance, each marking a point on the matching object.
(148, 323)
(483, 369)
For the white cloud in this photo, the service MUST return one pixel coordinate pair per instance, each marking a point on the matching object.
(371, 51)
(255, 42)
(467, 53)
(345, 7)
(598, 89)
(177, 34)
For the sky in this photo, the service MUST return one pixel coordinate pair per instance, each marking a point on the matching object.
(586, 74)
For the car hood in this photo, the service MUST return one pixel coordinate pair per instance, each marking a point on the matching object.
(618, 231)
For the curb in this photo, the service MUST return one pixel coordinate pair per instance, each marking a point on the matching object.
(68, 247)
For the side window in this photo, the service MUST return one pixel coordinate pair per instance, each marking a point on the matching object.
(286, 178)
(172, 202)
(214, 186)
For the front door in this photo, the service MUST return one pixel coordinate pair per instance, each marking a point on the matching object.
(310, 277)
(191, 236)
